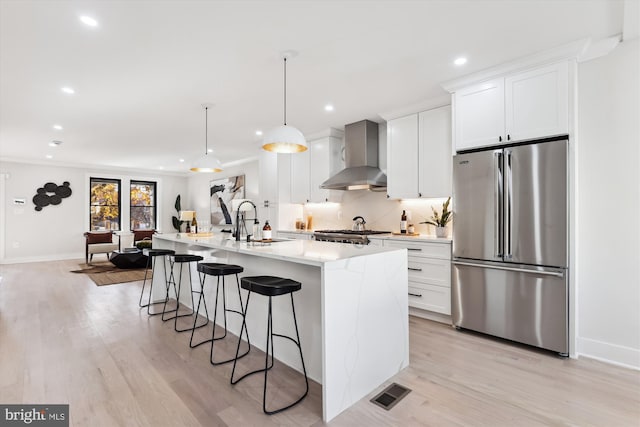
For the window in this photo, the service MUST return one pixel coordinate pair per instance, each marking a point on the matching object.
(143, 205)
(105, 204)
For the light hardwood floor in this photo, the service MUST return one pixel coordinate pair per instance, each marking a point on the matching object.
(65, 340)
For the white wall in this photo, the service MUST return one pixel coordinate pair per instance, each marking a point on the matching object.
(198, 198)
(608, 193)
(56, 232)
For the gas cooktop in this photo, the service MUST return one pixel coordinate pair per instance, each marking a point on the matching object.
(362, 232)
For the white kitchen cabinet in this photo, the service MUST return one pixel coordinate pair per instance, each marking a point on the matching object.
(479, 114)
(434, 151)
(402, 157)
(429, 267)
(300, 177)
(519, 106)
(537, 103)
(419, 155)
(325, 160)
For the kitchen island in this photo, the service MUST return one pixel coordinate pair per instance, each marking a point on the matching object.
(352, 309)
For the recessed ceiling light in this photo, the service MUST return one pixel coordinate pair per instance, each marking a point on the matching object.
(68, 90)
(460, 61)
(181, 160)
(210, 150)
(328, 107)
(57, 127)
(49, 156)
(259, 133)
(160, 167)
(54, 143)
(87, 20)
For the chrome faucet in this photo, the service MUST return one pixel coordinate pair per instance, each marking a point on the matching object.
(255, 220)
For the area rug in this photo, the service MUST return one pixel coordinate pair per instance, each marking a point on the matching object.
(105, 273)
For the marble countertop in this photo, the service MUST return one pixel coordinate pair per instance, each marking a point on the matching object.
(307, 252)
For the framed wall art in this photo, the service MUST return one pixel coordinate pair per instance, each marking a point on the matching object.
(221, 192)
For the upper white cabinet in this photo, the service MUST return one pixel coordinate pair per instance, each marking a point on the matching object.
(419, 155)
(479, 114)
(537, 102)
(325, 160)
(300, 180)
(434, 135)
(519, 106)
(310, 169)
(402, 157)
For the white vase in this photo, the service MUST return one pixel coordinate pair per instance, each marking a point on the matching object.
(441, 231)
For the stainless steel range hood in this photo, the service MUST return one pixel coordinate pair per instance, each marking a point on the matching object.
(361, 159)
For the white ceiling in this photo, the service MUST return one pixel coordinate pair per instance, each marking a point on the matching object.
(142, 74)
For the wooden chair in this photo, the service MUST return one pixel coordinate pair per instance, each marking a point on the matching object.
(100, 242)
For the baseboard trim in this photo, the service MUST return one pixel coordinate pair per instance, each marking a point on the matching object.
(436, 317)
(614, 354)
(43, 258)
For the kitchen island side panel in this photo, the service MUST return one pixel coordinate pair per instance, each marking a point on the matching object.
(366, 326)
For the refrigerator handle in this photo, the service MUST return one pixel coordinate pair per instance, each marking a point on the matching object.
(497, 197)
(508, 230)
(514, 269)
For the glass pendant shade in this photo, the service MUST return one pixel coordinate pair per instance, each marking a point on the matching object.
(207, 163)
(284, 139)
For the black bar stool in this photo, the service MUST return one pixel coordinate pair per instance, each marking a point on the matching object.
(220, 271)
(182, 259)
(271, 286)
(152, 254)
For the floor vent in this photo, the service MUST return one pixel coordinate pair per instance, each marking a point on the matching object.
(390, 396)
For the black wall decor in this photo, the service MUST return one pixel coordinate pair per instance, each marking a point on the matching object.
(43, 198)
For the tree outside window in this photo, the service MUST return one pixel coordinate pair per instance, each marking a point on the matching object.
(143, 205)
(105, 204)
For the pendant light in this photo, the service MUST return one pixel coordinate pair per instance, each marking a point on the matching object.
(285, 139)
(208, 162)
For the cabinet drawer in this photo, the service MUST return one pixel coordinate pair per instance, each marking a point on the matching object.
(423, 249)
(431, 298)
(432, 271)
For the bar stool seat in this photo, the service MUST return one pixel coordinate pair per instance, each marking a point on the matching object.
(181, 259)
(152, 254)
(271, 286)
(219, 270)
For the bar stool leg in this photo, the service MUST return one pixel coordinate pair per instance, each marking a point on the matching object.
(268, 366)
(195, 320)
(225, 310)
(146, 270)
(168, 281)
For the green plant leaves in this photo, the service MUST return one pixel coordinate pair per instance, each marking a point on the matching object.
(439, 220)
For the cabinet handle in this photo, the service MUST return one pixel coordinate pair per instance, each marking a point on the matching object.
(415, 295)
(387, 196)
(414, 269)
(508, 137)
(499, 139)
(414, 249)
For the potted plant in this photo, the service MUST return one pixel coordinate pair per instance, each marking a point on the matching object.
(440, 220)
(177, 224)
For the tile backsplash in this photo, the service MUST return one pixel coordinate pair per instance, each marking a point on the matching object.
(379, 212)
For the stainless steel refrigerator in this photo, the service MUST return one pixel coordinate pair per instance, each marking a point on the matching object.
(510, 243)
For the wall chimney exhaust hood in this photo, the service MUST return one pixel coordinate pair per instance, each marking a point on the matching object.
(361, 160)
